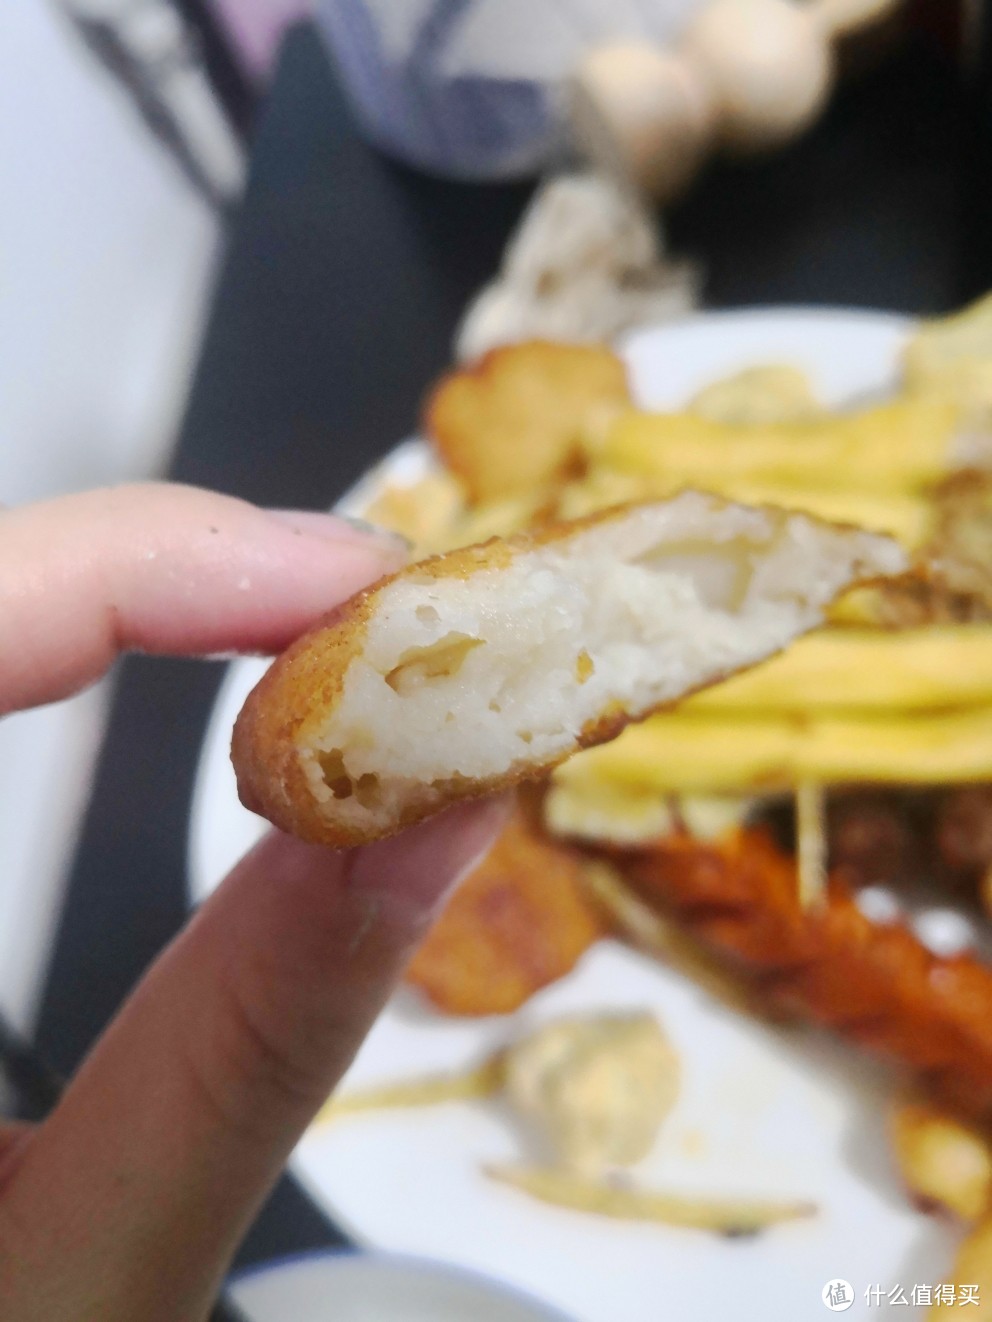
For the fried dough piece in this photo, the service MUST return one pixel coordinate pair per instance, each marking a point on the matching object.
(521, 920)
(874, 983)
(470, 672)
(513, 422)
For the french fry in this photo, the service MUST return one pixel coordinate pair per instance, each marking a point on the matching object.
(903, 446)
(943, 1162)
(607, 814)
(907, 516)
(723, 1216)
(681, 752)
(864, 670)
(623, 815)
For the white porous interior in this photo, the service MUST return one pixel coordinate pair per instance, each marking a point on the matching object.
(471, 678)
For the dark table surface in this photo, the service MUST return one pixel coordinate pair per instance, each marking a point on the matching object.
(343, 280)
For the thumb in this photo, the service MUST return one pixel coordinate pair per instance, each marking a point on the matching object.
(182, 1117)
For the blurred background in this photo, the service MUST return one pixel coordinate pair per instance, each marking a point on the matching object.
(238, 238)
(126, 130)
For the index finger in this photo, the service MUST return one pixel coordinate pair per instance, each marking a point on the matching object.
(167, 569)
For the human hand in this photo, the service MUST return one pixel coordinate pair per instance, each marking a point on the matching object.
(128, 1202)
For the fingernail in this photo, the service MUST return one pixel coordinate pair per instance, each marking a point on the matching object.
(482, 822)
(374, 529)
(418, 869)
(338, 527)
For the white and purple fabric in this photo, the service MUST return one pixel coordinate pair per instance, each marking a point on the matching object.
(469, 87)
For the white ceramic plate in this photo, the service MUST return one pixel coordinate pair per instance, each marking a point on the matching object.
(763, 1111)
(377, 1287)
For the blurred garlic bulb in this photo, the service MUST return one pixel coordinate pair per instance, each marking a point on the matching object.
(838, 17)
(641, 112)
(767, 65)
(746, 75)
(585, 263)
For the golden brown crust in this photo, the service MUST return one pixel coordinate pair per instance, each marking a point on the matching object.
(305, 682)
(514, 421)
(307, 676)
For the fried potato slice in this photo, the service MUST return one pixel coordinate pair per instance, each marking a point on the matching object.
(769, 392)
(473, 671)
(521, 920)
(513, 421)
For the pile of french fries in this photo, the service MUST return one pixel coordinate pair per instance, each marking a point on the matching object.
(881, 696)
(857, 703)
